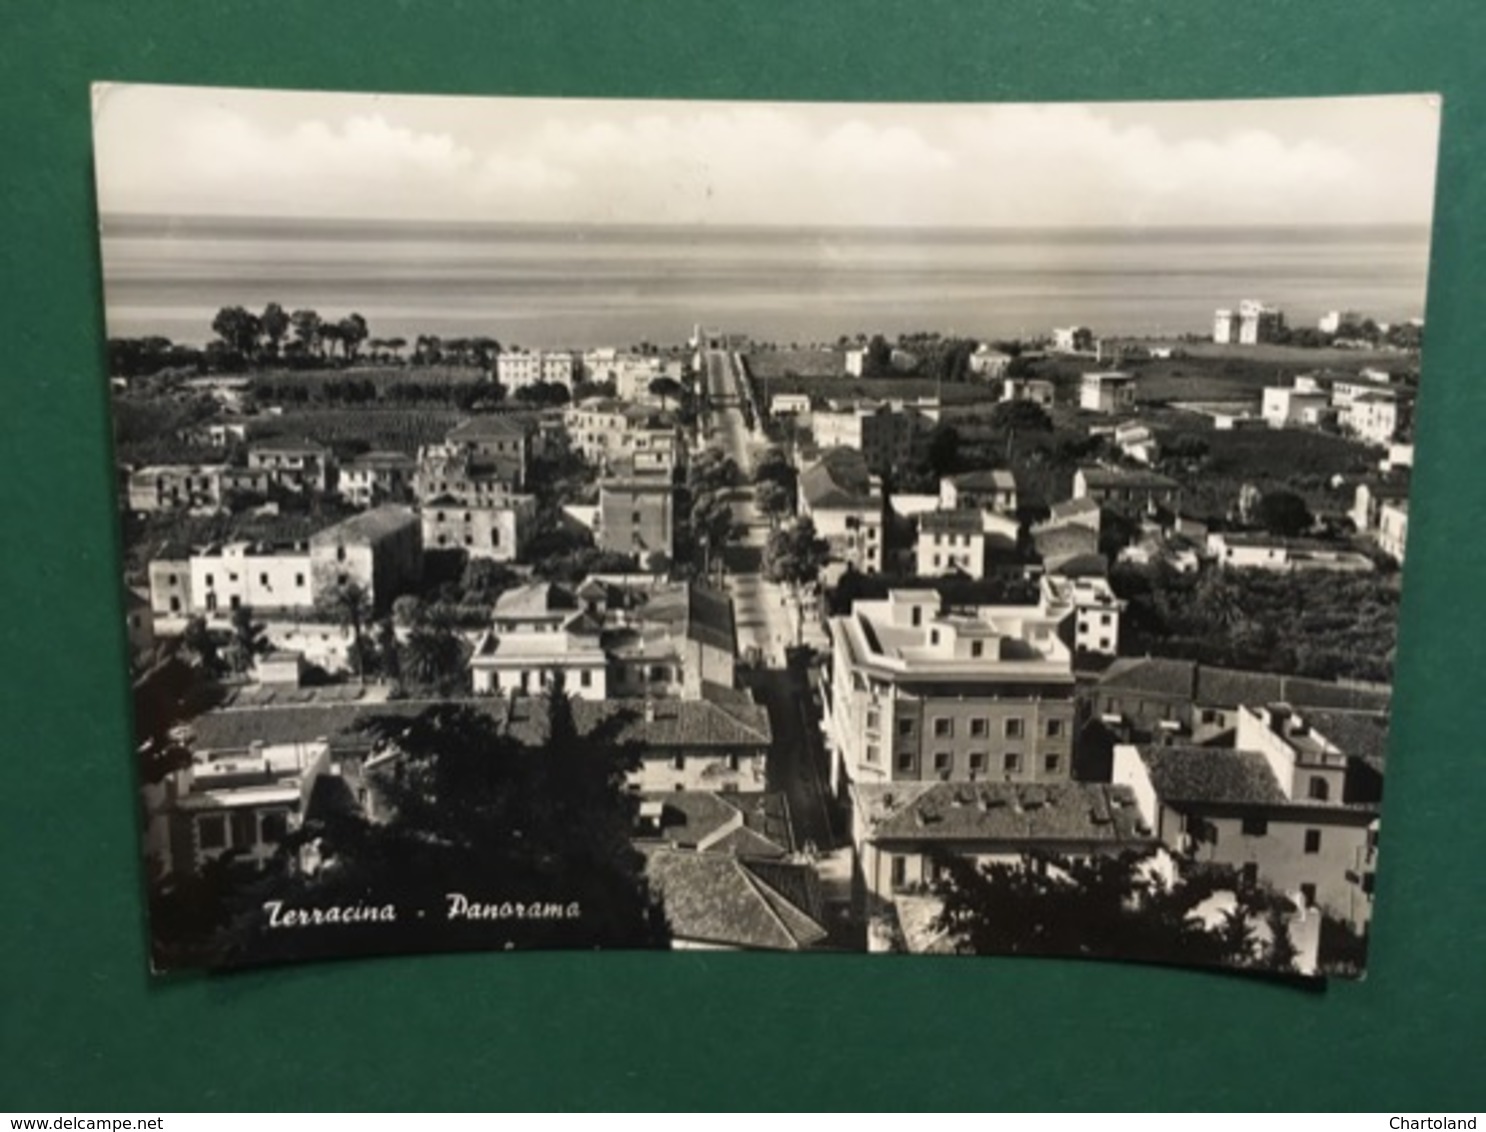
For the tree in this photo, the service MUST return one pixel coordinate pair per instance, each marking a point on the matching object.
(713, 471)
(244, 640)
(878, 361)
(1110, 906)
(713, 525)
(773, 500)
(306, 325)
(667, 389)
(944, 450)
(1020, 416)
(239, 329)
(484, 580)
(349, 605)
(434, 657)
(389, 659)
(275, 323)
(200, 646)
(1283, 513)
(794, 557)
(475, 812)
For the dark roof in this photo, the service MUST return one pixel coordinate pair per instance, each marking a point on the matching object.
(840, 478)
(369, 526)
(998, 479)
(673, 723)
(1151, 676)
(289, 444)
(1361, 734)
(718, 899)
(743, 825)
(375, 460)
(1001, 812)
(237, 728)
(709, 618)
(1211, 774)
(961, 522)
(490, 426)
(1119, 477)
(1071, 508)
(1231, 686)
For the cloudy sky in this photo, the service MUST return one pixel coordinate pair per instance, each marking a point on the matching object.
(285, 154)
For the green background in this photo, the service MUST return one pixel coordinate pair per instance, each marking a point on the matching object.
(82, 1027)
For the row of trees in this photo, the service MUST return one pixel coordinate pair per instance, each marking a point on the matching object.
(1114, 907)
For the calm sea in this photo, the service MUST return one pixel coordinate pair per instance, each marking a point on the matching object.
(587, 286)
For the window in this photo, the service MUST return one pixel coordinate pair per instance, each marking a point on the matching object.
(979, 728)
(211, 831)
(1015, 728)
(678, 762)
(1011, 762)
(585, 678)
(1052, 764)
(934, 633)
(899, 871)
(244, 829)
(634, 516)
(494, 536)
(1313, 841)
(905, 760)
(944, 729)
(209, 581)
(733, 761)
(1255, 827)
(299, 580)
(943, 761)
(275, 827)
(1249, 875)
(977, 761)
(977, 648)
(1308, 892)
(170, 578)
(1055, 729)
(874, 719)
(874, 753)
(340, 551)
(1320, 789)
(918, 616)
(469, 540)
(1104, 619)
(905, 726)
(1209, 716)
(263, 579)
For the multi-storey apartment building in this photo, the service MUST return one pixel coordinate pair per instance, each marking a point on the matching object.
(923, 692)
(839, 495)
(517, 370)
(299, 465)
(1285, 806)
(497, 532)
(890, 434)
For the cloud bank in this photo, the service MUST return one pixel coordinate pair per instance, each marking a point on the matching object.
(185, 150)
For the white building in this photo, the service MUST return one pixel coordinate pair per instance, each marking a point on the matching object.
(1393, 527)
(517, 370)
(1110, 391)
(1286, 407)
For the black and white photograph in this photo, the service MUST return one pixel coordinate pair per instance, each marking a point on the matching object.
(883, 528)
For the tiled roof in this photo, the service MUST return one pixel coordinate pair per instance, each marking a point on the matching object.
(1073, 509)
(744, 825)
(534, 599)
(1114, 477)
(369, 526)
(673, 724)
(960, 522)
(1228, 687)
(289, 444)
(709, 618)
(237, 728)
(489, 426)
(717, 899)
(1361, 734)
(999, 812)
(1151, 675)
(840, 478)
(999, 479)
(1211, 774)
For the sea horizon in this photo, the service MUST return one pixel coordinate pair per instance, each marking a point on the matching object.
(595, 284)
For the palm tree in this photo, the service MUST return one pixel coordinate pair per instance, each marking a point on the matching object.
(350, 605)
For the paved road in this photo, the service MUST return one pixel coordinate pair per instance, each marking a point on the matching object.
(796, 765)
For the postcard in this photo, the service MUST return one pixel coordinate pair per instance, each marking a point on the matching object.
(949, 529)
